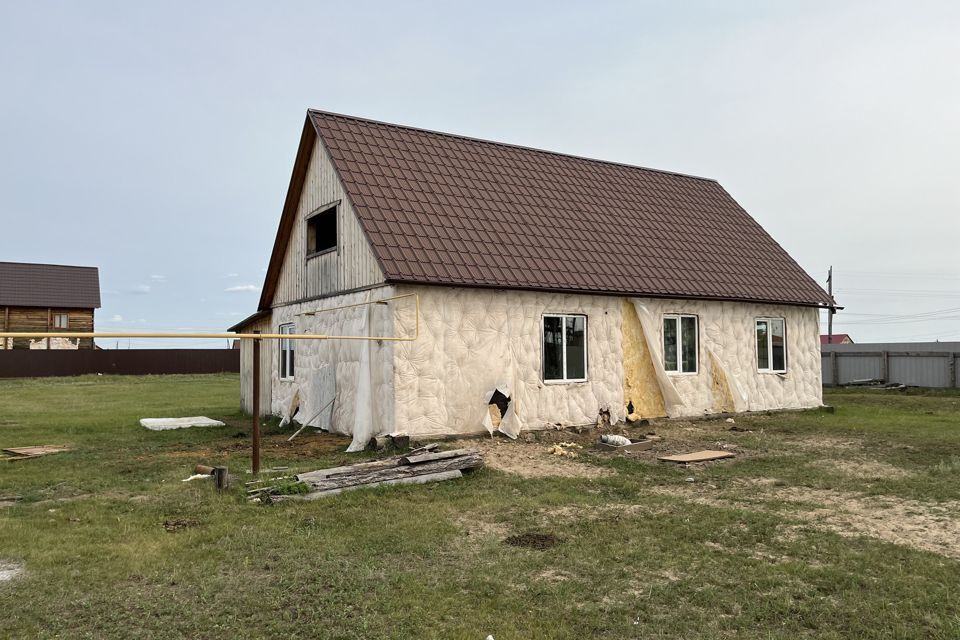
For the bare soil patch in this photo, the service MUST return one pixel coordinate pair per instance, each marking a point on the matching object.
(176, 524)
(533, 540)
(933, 527)
(533, 459)
(867, 469)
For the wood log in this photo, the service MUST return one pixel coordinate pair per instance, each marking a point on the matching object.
(378, 443)
(439, 455)
(375, 475)
(348, 469)
(417, 479)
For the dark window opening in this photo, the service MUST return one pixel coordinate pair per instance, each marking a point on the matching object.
(322, 232)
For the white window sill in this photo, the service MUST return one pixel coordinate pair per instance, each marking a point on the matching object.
(287, 379)
(776, 373)
(682, 373)
(577, 381)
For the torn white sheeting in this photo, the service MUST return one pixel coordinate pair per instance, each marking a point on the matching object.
(672, 402)
(165, 424)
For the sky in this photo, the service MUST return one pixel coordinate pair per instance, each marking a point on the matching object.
(156, 140)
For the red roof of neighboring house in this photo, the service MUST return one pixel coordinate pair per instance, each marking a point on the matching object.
(447, 209)
(838, 338)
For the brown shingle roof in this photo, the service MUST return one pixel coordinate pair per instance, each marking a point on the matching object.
(447, 209)
(49, 285)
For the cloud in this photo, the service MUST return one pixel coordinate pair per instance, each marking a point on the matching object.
(157, 278)
(140, 289)
(232, 275)
(243, 288)
(116, 318)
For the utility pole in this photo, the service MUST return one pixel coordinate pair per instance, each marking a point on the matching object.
(832, 310)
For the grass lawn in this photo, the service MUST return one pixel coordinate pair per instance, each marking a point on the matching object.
(826, 525)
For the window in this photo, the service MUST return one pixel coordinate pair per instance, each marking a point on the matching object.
(772, 345)
(61, 321)
(322, 232)
(286, 353)
(564, 348)
(680, 343)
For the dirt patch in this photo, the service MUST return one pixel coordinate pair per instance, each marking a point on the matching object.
(532, 459)
(865, 469)
(821, 443)
(176, 524)
(532, 540)
(933, 527)
(592, 513)
(9, 571)
(552, 575)
(308, 444)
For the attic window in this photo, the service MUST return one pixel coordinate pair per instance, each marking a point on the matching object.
(322, 232)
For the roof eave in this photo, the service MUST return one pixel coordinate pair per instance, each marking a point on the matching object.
(610, 292)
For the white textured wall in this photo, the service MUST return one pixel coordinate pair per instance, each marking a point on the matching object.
(474, 340)
(728, 329)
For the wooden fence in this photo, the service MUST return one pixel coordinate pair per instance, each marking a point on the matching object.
(29, 363)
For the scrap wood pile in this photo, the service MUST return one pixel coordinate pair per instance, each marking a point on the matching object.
(416, 467)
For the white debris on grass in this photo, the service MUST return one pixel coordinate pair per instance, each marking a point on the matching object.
(165, 424)
(197, 476)
(9, 571)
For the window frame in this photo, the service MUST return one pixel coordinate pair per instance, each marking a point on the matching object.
(786, 355)
(66, 322)
(287, 353)
(333, 209)
(678, 317)
(563, 348)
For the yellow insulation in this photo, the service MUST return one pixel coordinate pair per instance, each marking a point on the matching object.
(640, 384)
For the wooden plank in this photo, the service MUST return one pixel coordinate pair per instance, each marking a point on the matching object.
(372, 475)
(440, 455)
(419, 479)
(697, 456)
(33, 452)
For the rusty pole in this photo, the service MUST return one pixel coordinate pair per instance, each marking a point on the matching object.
(256, 405)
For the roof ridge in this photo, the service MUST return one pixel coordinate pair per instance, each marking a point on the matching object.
(459, 136)
(49, 264)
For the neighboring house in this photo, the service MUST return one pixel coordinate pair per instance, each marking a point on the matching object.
(837, 338)
(43, 298)
(576, 286)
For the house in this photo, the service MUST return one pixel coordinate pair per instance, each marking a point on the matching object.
(48, 298)
(837, 338)
(574, 286)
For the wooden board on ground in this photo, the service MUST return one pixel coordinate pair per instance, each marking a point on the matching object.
(697, 456)
(20, 453)
(635, 445)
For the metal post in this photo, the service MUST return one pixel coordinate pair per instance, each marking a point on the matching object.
(832, 310)
(256, 405)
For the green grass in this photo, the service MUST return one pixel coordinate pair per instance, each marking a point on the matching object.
(644, 554)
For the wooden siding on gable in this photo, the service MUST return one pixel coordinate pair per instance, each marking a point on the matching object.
(351, 266)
